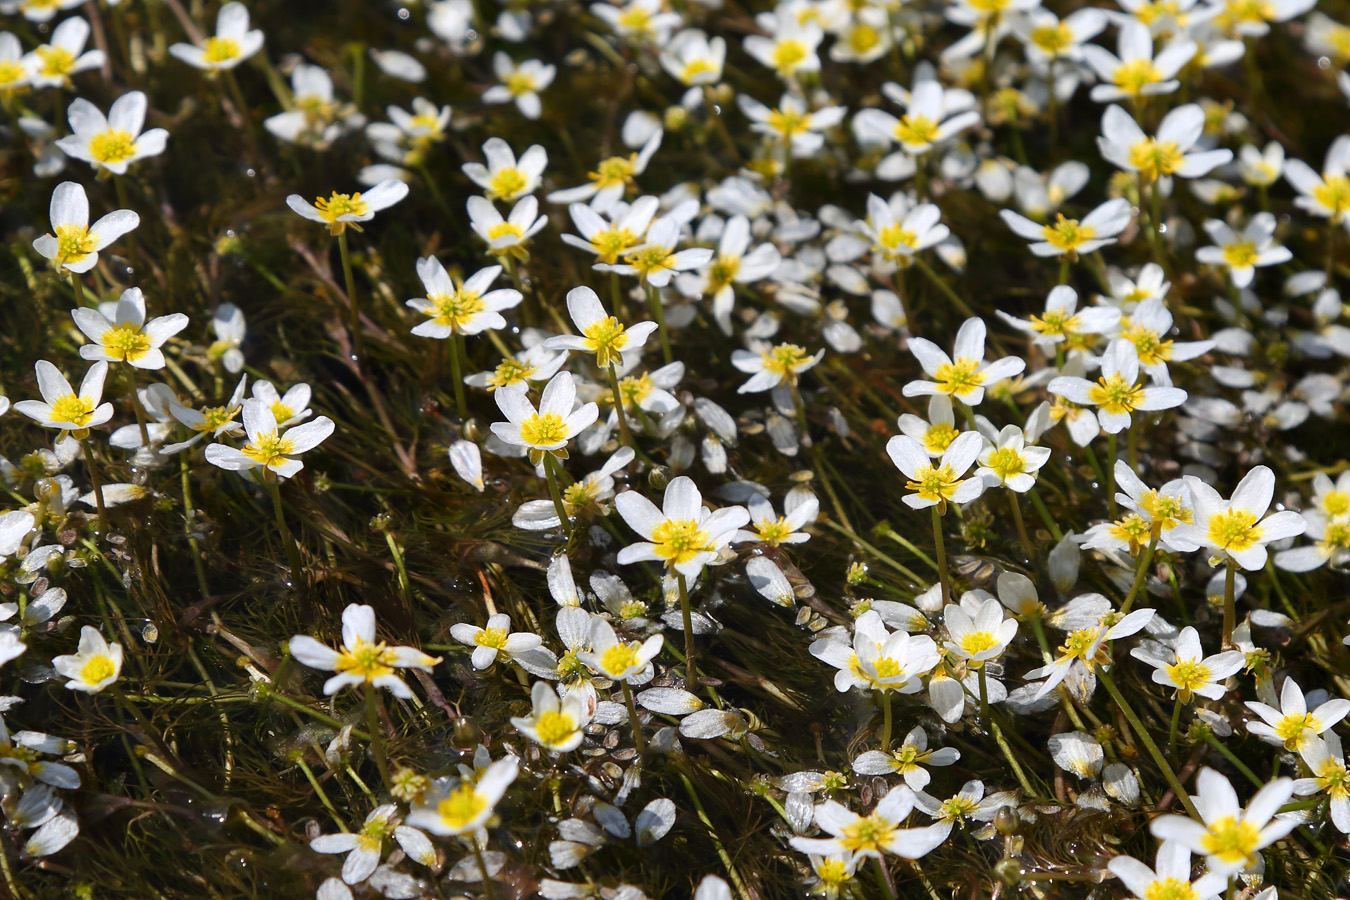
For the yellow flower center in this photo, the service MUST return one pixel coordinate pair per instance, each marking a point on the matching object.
(939, 436)
(1248, 11)
(457, 310)
(1336, 538)
(1152, 349)
(544, 431)
(784, 359)
(789, 123)
(1133, 76)
(1188, 674)
(978, 642)
(491, 637)
(11, 71)
(56, 61)
(73, 243)
(338, 205)
(1334, 194)
(935, 484)
(960, 377)
(611, 243)
(461, 808)
(1240, 254)
(916, 130)
(680, 540)
(636, 19)
(508, 372)
(788, 55)
(219, 49)
(606, 339)
(618, 659)
(615, 170)
(1235, 530)
(1054, 322)
(1115, 395)
(1292, 729)
(366, 660)
(112, 146)
(519, 83)
(1052, 40)
(696, 68)
(957, 808)
(634, 389)
(1132, 529)
(214, 417)
(1169, 889)
(1006, 463)
(505, 229)
(1067, 235)
(832, 871)
(863, 39)
(554, 727)
(506, 184)
(125, 343)
(1334, 778)
(866, 833)
(893, 237)
(74, 409)
(281, 412)
(649, 259)
(1231, 840)
(1152, 158)
(268, 449)
(1336, 503)
(773, 531)
(1078, 644)
(97, 668)
(1165, 510)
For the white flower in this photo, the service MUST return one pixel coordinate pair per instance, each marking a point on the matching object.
(361, 660)
(230, 328)
(693, 59)
(976, 629)
(1124, 144)
(908, 760)
(1047, 38)
(467, 308)
(1172, 877)
(1162, 510)
(639, 21)
(1189, 671)
(555, 723)
(1009, 461)
(774, 367)
(127, 337)
(115, 142)
(52, 64)
(937, 485)
(793, 123)
(1326, 761)
(13, 73)
(37, 10)
(1292, 724)
(1239, 528)
(1263, 167)
(212, 420)
(74, 246)
(1071, 237)
(1077, 753)
(874, 834)
(1326, 194)
(611, 179)
(465, 808)
(520, 84)
(731, 266)
(601, 334)
(1063, 323)
(64, 408)
(895, 239)
(1117, 394)
(933, 115)
(495, 640)
(550, 428)
(655, 260)
(775, 530)
(268, 446)
(94, 666)
(510, 234)
(289, 409)
(792, 48)
(967, 375)
(1148, 328)
(504, 178)
(1331, 539)
(608, 240)
(232, 43)
(1243, 253)
(1133, 71)
(615, 659)
(684, 534)
(317, 119)
(342, 210)
(1230, 836)
(365, 848)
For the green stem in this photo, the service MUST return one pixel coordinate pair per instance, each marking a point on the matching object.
(885, 721)
(1139, 575)
(1172, 728)
(1027, 546)
(185, 475)
(1111, 476)
(292, 549)
(98, 484)
(323, 797)
(687, 614)
(377, 735)
(78, 286)
(1132, 446)
(1238, 764)
(625, 436)
(941, 553)
(639, 740)
(659, 314)
(1229, 603)
(1044, 513)
(488, 890)
(457, 374)
(354, 313)
(946, 289)
(549, 465)
(1143, 735)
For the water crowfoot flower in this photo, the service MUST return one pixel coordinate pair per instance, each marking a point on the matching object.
(232, 43)
(113, 143)
(94, 667)
(1172, 878)
(965, 377)
(1292, 725)
(74, 245)
(936, 485)
(1241, 254)
(555, 723)
(872, 835)
(1228, 836)
(493, 641)
(1072, 238)
(467, 806)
